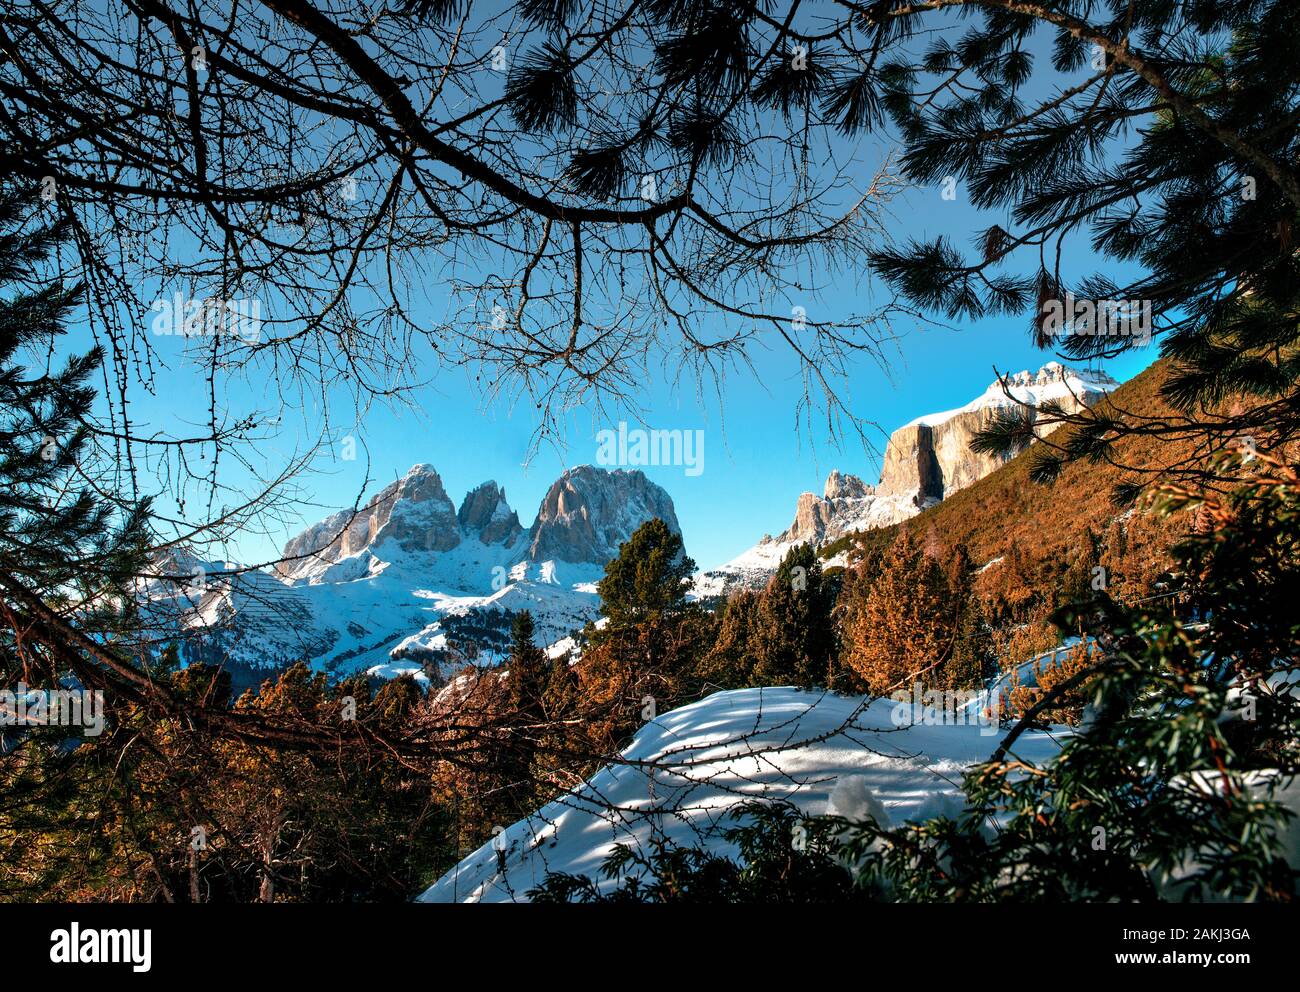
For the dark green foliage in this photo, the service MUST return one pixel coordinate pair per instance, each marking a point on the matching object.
(528, 666)
(648, 579)
(1085, 575)
(597, 171)
(1177, 156)
(435, 11)
(541, 90)
(60, 536)
(793, 82)
(550, 13)
(729, 663)
(645, 657)
(783, 635)
(794, 638)
(707, 136)
(527, 681)
(712, 54)
(560, 696)
(397, 699)
(973, 661)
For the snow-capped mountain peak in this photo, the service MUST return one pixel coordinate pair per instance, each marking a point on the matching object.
(841, 486)
(406, 582)
(414, 512)
(485, 514)
(588, 512)
(1053, 381)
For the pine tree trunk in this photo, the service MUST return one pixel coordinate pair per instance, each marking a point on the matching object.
(267, 891)
(194, 876)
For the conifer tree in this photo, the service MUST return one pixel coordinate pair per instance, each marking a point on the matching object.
(972, 660)
(528, 669)
(729, 662)
(902, 629)
(1175, 791)
(564, 743)
(643, 659)
(854, 587)
(1172, 791)
(1084, 574)
(1172, 149)
(560, 697)
(526, 682)
(793, 637)
(648, 579)
(67, 544)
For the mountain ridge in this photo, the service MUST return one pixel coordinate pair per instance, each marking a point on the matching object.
(1023, 535)
(925, 461)
(411, 578)
(409, 583)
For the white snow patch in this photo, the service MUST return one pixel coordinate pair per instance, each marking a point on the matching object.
(396, 669)
(1052, 382)
(688, 767)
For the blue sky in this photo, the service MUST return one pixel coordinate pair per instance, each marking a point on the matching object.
(757, 460)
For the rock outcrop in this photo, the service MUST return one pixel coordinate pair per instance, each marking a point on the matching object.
(847, 504)
(414, 512)
(924, 461)
(910, 468)
(840, 486)
(485, 514)
(588, 512)
(405, 582)
(931, 456)
(584, 517)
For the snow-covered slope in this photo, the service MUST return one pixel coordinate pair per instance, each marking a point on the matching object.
(688, 767)
(826, 754)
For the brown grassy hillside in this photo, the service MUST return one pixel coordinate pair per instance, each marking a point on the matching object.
(1049, 537)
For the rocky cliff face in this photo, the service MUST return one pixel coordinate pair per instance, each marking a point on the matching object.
(910, 466)
(846, 504)
(485, 514)
(407, 581)
(588, 512)
(931, 456)
(415, 512)
(841, 486)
